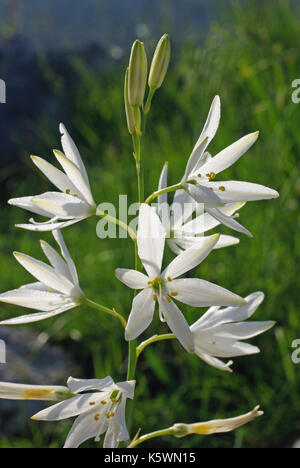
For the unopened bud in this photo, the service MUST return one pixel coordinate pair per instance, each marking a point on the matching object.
(128, 108)
(137, 75)
(13, 391)
(160, 62)
(180, 430)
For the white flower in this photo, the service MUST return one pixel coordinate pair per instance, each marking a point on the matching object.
(13, 391)
(57, 289)
(201, 169)
(102, 410)
(217, 333)
(217, 425)
(73, 203)
(183, 231)
(163, 286)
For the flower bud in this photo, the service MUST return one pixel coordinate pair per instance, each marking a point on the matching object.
(128, 108)
(160, 62)
(13, 391)
(137, 75)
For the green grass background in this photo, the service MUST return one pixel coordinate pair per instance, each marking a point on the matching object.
(250, 58)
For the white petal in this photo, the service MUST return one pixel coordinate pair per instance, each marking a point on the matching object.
(69, 408)
(27, 204)
(13, 391)
(242, 330)
(190, 258)
(236, 190)
(226, 241)
(81, 385)
(230, 155)
(45, 273)
(208, 343)
(177, 323)
(195, 159)
(200, 293)
(65, 253)
(141, 314)
(85, 427)
(214, 362)
(162, 184)
(62, 205)
(31, 318)
(55, 259)
(132, 278)
(33, 298)
(50, 226)
(182, 208)
(76, 176)
(150, 240)
(57, 177)
(227, 221)
(111, 439)
(71, 151)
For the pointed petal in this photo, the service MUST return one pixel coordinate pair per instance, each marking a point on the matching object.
(141, 314)
(150, 240)
(132, 278)
(68, 408)
(242, 330)
(45, 273)
(13, 391)
(228, 156)
(55, 259)
(203, 194)
(214, 362)
(177, 323)
(57, 177)
(50, 226)
(76, 176)
(236, 190)
(86, 426)
(62, 205)
(83, 385)
(200, 293)
(227, 221)
(33, 299)
(71, 151)
(31, 318)
(65, 253)
(182, 208)
(26, 204)
(190, 258)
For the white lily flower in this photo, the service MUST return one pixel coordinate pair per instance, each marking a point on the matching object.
(73, 203)
(13, 391)
(57, 289)
(217, 425)
(102, 410)
(201, 169)
(183, 231)
(164, 286)
(217, 333)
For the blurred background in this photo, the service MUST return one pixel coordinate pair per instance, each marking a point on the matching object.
(64, 61)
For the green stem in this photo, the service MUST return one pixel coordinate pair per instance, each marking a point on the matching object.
(106, 310)
(149, 100)
(171, 188)
(132, 360)
(151, 435)
(118, 222)
(153, 339)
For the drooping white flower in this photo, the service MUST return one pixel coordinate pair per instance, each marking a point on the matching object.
(72, 203)
(164, 286)
(201, 169)
(13, 391)
(218, 333)
(217, 425)
(102, 410)
(57, 289)
(183, 231)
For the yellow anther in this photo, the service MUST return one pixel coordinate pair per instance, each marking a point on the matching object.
(154, 297)
(92, 403)
(169, 279)
(222, 188)
(174, 294)
(151, 283)
(214, 343)
(199, 175)
(75, 195)
(96, 417)
(108, 415)
(112, 414)
(103, 402)
(210, 188)
(68, 191)
(212, 175)
(158, 280)
(50, 290)
(113, 400)
(168, 299)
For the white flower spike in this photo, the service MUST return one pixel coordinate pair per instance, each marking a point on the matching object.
(57, 289)
(72, 203)
(218, 332)
(201, 170)
(164, 286)
(183, 231)
(99, 411)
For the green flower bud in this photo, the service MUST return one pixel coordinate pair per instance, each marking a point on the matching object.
(128, 108)
(180, 430)
(137, 75)
(160, 62)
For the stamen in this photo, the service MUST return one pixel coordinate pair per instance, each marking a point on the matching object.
(154, 297)
(151, 283)
(214, 343)
(103, 402)
(50, 290)
(222, 188)
(96, 417)
(75, 195)
(113, 400)
(168, 299)
(68, 191)
(107, 415)
(174, 294)
(158, 280)
(92, 403)
(199, 175)
(212, 175)
(210, 188)
(169, 279)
